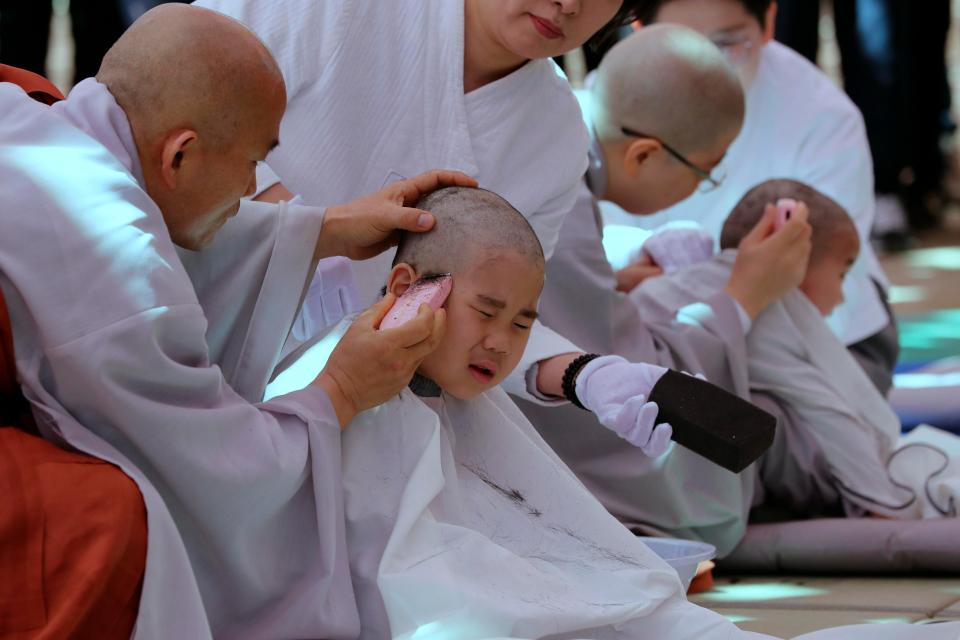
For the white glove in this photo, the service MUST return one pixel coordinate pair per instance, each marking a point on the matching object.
(676, 245)
(616, 391)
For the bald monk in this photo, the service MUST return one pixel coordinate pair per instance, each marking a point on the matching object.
(150, 158)
(663, 110)
(73, 530)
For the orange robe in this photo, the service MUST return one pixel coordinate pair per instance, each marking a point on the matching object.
(73, 529)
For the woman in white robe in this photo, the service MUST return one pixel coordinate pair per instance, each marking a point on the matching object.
(381, 90)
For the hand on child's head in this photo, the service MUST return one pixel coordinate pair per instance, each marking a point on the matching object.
(769, 263)
(812, 250)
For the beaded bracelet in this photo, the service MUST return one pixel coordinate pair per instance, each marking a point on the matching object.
(569, 385)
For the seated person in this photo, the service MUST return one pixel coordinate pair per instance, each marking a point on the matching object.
(799, 125)
(666, 85)
(838, 447)
(461, 522)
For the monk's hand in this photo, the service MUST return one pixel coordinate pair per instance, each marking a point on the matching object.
(616, 391)
(770, 262)
(370, 225)
(369, 366)
(636, 272)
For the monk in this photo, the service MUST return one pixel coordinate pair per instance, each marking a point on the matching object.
(664, 109)
(138, 172)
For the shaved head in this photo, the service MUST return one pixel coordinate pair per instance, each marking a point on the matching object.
(471, 225)
(204, 99)
(185, 66)
(830, 223)
(671, 83)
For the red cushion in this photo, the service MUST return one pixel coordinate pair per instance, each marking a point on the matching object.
(37, 87)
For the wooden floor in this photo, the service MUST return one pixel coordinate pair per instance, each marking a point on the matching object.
(786, 607)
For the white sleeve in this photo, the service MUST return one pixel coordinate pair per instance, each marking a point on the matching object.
(835, 158)
(266, 178)
(544, 343)
(548, 219)
(301, 34)
(331, 297)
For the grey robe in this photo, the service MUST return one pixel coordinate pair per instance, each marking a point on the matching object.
(244, 501)
(680, 493)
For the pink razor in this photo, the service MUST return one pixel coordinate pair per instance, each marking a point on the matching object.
(785, 209)
(429, 290)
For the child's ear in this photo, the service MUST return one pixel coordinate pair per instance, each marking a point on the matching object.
(638, 152)
(401, 277)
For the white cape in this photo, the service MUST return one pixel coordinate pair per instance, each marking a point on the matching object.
(794, 357)
(463, 524)
(470, 527)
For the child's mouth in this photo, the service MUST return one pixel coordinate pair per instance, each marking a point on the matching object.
(481, 374)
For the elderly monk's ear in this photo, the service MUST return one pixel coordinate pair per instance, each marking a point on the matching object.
(639, 152)
(176, 147)
(401, 277)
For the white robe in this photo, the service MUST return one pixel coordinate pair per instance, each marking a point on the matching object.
(680, 493)
(244, 502)
(375, 93)
(462, 523)
(798, 125)
(795, 358)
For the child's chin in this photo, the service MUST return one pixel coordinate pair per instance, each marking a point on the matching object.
(466, 390)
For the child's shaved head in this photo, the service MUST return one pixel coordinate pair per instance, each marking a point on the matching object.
(828, 220)
(497, 266)
(835, 240)
(471, 224)
(705, 97)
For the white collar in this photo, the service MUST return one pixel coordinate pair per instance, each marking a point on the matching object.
(93, 109)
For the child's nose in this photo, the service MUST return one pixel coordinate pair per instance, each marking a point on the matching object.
(496, 342)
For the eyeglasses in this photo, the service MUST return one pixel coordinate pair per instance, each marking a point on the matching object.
(708, 182)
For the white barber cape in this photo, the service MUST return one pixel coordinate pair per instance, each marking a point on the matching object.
(680, 493)
(244, 501)
(375, 94)
(795, 358)
(798, 125)
(463, 524)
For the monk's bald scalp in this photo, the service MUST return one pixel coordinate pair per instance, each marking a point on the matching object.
(471, 225)
(829, 222)
(669, 82)
(185, 66)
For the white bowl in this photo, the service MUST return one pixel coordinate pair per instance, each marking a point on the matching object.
(683, 555)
